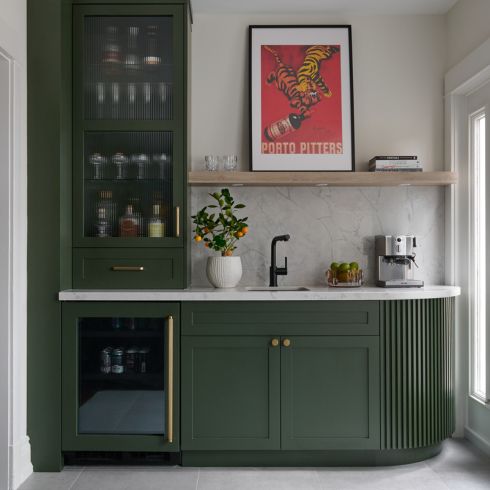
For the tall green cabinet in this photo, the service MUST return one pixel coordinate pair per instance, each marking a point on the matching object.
(107, 166)
(129, 158)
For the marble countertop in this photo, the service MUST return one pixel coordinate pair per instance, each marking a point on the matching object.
(243, 294)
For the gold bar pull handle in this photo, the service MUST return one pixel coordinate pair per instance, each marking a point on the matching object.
(177, 221)
(170, 378)
(127, 268)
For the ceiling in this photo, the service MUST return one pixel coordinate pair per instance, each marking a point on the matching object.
(392, 7)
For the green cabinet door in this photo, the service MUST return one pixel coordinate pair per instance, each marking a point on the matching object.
(230, 393)
(330, 392)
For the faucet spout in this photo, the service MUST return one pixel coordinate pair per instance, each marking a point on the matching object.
(274, 270)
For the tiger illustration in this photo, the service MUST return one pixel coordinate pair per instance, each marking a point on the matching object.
(310, 69)
(286, 81)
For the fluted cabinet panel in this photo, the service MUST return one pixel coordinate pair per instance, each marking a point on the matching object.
(417, 372)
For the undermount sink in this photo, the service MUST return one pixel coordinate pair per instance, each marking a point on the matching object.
(277, 288)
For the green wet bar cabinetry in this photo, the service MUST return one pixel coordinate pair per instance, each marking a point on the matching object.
(107, 128)
(316, 383)
(129, 145)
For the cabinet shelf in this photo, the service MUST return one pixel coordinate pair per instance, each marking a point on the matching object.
(321, 179)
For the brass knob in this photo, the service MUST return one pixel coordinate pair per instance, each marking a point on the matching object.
(286, 342)
(275, 342)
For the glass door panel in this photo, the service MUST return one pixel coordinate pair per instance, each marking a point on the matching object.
(128, 184)
(128, 67)
(122, 370)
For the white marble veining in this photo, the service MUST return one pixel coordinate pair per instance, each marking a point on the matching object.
(326, 225)
(243, 294)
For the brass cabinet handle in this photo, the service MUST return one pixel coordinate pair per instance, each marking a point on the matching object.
(177, 221)
(170, 378)
(286, 342)
(275, 342)
(128, 268)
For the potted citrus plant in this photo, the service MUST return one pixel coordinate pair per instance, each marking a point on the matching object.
(219, 229)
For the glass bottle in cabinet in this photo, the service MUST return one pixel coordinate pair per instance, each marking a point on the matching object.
(156, 227)
(129, 223)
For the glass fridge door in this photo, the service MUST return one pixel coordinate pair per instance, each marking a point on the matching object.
(124, 372)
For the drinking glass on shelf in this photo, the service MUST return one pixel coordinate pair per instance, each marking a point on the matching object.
(97, 161)
(120, 161)
(131, 99)
(162, 163)
(141, 161)
(212, 163)
(115, 100)
(230, 162)
(100, 97)
(162, 92)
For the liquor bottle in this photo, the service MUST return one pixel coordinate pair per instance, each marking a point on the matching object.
(284, 126)
(152, 59)
(102, 225)
(128, 223)
(105, 201)
(111, 55)
(135, 203)
(132, 60)
(156, 228)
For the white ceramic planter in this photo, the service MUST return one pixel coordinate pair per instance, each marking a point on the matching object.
(224, 272)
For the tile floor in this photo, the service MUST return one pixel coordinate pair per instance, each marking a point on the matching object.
(459, 467)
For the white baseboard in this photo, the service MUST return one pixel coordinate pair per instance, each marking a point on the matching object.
(20, 462)
(479, 441)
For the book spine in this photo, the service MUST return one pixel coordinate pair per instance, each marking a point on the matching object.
(398, 163)
(396, 169)
(394, 157)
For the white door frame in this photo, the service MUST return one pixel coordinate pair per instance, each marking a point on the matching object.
(467, 76)
(15, 463)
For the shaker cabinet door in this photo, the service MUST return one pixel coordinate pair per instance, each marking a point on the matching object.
(330, 393)
(230, 393)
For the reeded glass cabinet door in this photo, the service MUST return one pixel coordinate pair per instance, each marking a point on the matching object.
(119, 367)
(128, 125)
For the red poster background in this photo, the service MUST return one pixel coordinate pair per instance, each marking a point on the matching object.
(325, 123)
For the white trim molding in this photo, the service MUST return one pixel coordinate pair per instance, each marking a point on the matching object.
(479, 441)
(15, 447)
(461, 81)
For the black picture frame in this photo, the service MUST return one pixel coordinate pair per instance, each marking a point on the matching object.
(328, 162)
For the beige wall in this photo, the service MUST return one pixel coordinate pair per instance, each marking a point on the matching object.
(399, 64)
(467, 26)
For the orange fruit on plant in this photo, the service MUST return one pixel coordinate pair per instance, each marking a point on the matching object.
(245, 230)
(228, 253)
(239, 234)
(206, 230)
(206, 245)
(198, 238)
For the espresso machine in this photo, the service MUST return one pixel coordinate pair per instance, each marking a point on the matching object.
(395, 261)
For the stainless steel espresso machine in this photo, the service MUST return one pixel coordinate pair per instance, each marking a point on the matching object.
(395, 261)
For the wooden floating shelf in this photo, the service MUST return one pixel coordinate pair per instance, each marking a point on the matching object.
(321, 179)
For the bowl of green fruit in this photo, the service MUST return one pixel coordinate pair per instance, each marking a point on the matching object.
(344, 275)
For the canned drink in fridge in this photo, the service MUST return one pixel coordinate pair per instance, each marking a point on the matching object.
(117, 357)
(105, 360)
(131, 359)
(143, 360)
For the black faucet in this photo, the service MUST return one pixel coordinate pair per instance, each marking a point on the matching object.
(274, 270)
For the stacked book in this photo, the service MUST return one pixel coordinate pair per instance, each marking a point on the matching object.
(394, 163)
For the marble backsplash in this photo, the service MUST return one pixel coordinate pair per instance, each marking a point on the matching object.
(328, 224)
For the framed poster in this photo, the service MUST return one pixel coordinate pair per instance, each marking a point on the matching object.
(301, 101)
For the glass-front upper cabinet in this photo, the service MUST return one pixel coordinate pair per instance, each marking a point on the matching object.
(120, 362)
(128, 126)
